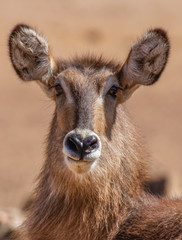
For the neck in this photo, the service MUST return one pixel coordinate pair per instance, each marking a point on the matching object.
(91, 206)
(89, 212)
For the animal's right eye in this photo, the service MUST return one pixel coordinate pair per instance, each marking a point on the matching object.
(58, 89)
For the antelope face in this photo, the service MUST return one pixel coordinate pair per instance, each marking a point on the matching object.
(86, 91)
(86, 103)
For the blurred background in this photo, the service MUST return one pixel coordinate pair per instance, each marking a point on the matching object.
(72, 27)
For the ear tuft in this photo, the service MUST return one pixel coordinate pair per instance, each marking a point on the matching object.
(30, 54)
(159, 32)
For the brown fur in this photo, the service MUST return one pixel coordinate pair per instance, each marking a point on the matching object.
(155, 219)
(107, 202)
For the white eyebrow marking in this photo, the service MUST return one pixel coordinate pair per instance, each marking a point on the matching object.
(110, 81)
(66, 89)
(100, 99)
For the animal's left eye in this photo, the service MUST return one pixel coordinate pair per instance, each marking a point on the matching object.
(113, 91)
(59, 89)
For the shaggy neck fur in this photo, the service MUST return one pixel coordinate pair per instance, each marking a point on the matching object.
(92, 206)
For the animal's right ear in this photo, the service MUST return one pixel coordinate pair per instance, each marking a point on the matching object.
(30, 55)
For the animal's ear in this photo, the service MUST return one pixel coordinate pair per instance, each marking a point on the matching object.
(30, 55)
(146, 61)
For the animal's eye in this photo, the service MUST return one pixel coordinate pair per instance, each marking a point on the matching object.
(58, 89)
(113, 91)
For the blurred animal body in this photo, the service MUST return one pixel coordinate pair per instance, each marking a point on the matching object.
(91, 184)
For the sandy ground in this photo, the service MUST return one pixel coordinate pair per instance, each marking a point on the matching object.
(77, 27)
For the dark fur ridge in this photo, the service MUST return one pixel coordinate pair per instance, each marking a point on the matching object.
(89, 61)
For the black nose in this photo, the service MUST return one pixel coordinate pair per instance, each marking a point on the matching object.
(90, 144)
(75, 143)
(81, 147)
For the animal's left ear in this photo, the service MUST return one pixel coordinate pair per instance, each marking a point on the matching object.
(146, 61)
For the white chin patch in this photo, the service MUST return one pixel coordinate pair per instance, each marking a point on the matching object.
(79, 167)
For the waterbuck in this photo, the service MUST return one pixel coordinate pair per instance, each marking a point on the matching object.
(91, 183)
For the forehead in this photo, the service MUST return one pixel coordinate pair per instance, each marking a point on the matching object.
(80, 79)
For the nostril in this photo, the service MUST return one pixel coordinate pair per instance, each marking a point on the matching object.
(78, 147)
(90, 144)
(75, 143)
